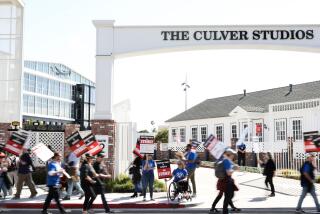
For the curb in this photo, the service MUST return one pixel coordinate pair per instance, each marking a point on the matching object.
(96, 206)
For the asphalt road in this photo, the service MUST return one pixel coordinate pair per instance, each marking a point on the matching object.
(161, 211)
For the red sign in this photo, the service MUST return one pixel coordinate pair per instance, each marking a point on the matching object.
(146, 144)
(258, 128)
(311, 141)
(164, 169)
(93, 145)
(77, 145)
(15, 144)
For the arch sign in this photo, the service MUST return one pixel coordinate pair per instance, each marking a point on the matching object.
(122, 41)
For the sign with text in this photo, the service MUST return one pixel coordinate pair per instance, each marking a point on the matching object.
(164, 169)
(214, 146)
(15, 143)
(146, 144)
(42, 152)
(104, 143)
(77, 145)
(311, 141)
(93, 145)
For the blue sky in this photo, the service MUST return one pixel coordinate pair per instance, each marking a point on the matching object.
(62, 31)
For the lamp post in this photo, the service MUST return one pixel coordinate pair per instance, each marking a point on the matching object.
(185, 86)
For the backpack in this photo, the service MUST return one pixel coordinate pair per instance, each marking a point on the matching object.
(220, 172)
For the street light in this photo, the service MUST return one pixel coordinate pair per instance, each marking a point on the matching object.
(185, 86)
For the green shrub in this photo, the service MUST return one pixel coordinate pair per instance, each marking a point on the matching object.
(159, 186)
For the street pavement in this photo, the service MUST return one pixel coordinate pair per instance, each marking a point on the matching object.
(252, 197)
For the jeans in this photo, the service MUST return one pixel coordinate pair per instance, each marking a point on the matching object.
(191, 176)
(3, 187)
(303, 195)
(137, 187)
(147, 180)
(219, 196)
(241, 159)
(76, 184)
(269, 180)
(53, 194)
(228, 195)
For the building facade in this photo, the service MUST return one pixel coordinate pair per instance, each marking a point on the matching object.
(54, 95)
(275, 117)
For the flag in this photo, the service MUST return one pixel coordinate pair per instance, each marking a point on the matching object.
(93, 146)
(15, 143)
(76, 144)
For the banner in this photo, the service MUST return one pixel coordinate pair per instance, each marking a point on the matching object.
(215, 147)
(311, 141)
(146, 144)
(164, 169)
(76, 144)
(92, 144)
(15, 143)
(42, 152)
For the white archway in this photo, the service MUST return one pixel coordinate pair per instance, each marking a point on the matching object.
(123, 41)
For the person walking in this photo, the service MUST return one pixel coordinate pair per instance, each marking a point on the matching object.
(99, 168)
(53, 182)
(87, 175)
(241, 154)
(135, 171)
(269, 171)
(25, 166)
(191, 157)
(148, 166)
(5, 183)
(12, 171)
(73, 163)
(307, 181)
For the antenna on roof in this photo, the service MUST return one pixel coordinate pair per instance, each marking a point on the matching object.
(290, 90)
(244, 92)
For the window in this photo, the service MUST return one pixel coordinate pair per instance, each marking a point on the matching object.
(182, 132)
(194, 133)
(56, 88)
(45, 85)
(32, 83)
(219, 132)
(203, 133)
(234, 131)
(174, 134)
(44, 107)
(92, 95)
(259, 131)
(50, 107)
(244, 126)
(39, 85)
(51, 87)
(62, 110)
(56, 108)
(280, 126)
(25, 103)
(31, 104)
(38, 105)
(26, 82)
(297, 129)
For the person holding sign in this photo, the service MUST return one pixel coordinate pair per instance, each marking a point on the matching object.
(148, 166)
(53, 182)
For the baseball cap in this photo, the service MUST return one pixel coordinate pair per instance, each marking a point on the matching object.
(313, 154)
(89, 156)
(101, 155)
(229, 150)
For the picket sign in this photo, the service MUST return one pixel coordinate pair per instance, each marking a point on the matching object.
(77, 145)
(16, 142)
(214, 146)
(42, 151)
(311, 141)
(146, 144)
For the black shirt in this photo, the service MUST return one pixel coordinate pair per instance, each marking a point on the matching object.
(86, 170)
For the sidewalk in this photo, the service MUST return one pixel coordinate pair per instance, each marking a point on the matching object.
(115, 200)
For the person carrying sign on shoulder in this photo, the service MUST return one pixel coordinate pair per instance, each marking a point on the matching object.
(191, 157)
(307, 181)
(148, 166)
(225, 184)
(55, 171)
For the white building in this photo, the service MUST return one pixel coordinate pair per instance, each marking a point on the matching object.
(273, 116)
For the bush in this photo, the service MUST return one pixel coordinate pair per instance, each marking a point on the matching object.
(159, 186)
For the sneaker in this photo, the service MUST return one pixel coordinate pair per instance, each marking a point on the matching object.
(272, 195)
(213, 211)
(300, 211)
(16, 198)
(151, 199)
(67, 197)
(45, 212)
(81, 196)
(194, 195)
(33, 195)
(144, 199)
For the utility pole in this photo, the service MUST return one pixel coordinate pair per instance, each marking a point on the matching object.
(185, 89)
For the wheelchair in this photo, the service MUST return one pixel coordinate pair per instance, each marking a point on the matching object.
(179, 190)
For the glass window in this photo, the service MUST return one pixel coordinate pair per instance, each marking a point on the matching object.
(26, 82)
(297, 129)
(56, 108)
(62, 110)
(25, 103)
(194, 133)
(280, 126)
(92, 110)
(39, 85)
(32, 83)
(50, 107)
(72, 111)
(45, 84)
(51, 87)
(259, 131)
(86, 94)
(85, 112)
(234, 131)
(174, 134)
(56, 88)
(203, 133)
(219, 132)
(44, 107)
(31, 104)
(67, 108)
(92, 95)
(62, 90)
(38, 105)
(182, 132)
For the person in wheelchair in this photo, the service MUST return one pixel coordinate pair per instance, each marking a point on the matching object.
(180, 175)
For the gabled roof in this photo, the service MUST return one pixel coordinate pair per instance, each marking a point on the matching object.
(253, 102)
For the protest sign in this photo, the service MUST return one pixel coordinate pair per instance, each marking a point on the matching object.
(164, 169)
(77, 145)
(311, 141)
(146, 144)
(214, 146)
(42, 151)
(16, 141)
(104, 143)
(92, 144)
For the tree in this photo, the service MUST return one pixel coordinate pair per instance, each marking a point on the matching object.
(162, 136)
(143, 131)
